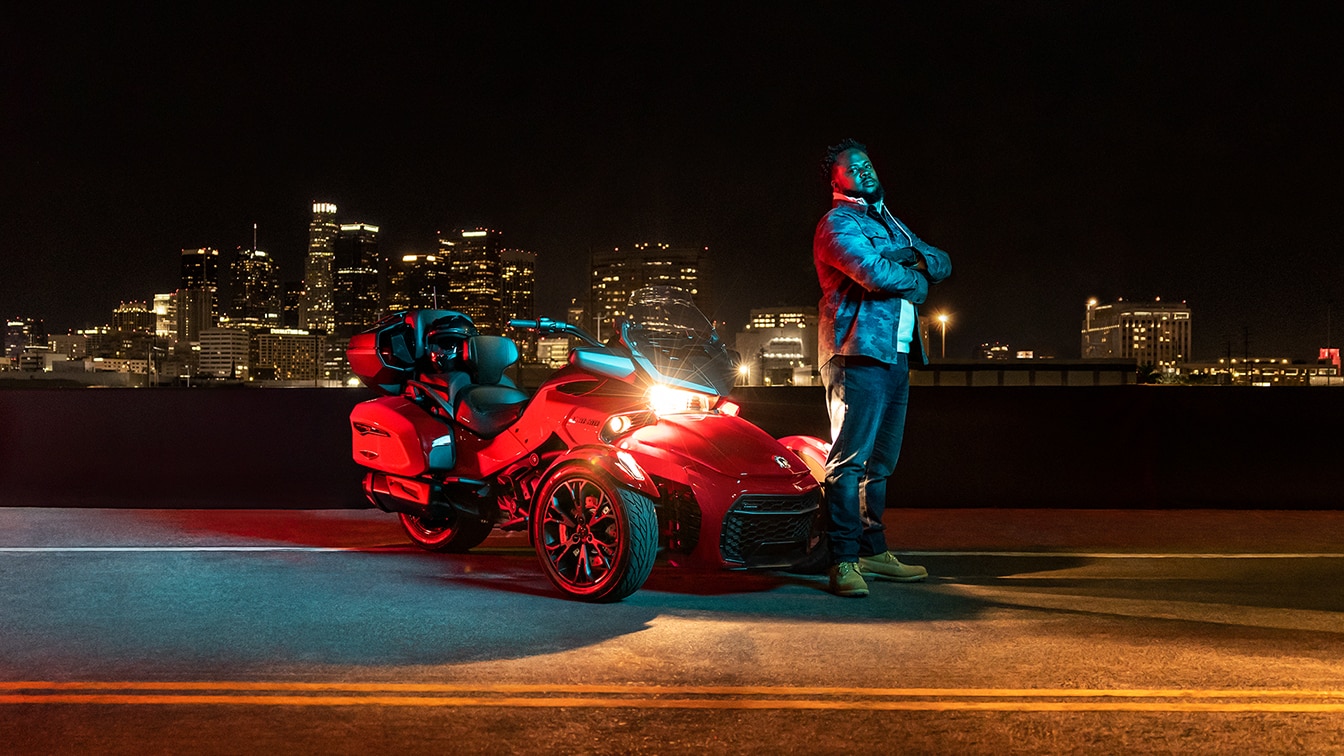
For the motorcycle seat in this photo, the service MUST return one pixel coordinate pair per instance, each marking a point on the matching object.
(486, 401)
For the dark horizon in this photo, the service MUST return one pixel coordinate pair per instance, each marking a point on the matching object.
(1057, 152)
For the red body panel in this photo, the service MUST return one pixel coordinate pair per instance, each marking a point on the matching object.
(721, 458)
(392, 435)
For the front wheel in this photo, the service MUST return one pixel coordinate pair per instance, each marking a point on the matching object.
(453, 534)
(596, 540)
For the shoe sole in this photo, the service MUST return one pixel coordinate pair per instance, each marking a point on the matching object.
(893, 578)
(880, 576)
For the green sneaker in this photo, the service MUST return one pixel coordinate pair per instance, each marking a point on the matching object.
(846, 581)
(888, 567)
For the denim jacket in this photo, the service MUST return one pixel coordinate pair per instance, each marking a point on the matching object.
(863, 258)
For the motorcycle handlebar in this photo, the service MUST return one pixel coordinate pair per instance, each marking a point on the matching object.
(546, 325)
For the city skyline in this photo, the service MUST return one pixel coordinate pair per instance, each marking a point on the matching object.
(596, 263)
(1059, 152)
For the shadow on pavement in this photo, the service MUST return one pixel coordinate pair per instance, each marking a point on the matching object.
(386, 604)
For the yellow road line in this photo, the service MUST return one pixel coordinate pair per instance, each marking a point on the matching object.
(618, 689)
(666, 703)
(506, 695)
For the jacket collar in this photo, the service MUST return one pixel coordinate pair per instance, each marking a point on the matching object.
(858, 203)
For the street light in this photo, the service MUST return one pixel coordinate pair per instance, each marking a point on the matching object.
(942, 326)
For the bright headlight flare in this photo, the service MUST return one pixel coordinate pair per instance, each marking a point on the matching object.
(665, 400)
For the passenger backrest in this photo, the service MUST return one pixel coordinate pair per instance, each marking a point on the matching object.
(488, 358)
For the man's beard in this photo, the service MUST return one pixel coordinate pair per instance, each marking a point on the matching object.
(871, 198)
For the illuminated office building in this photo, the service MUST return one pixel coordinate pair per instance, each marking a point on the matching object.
(616, 274)
(224, 353)
(291, 304)
(21, 333)
(518, 289)
(285, 354)
(134, 317)
(354, 284)
(417, 281)
(475, 277)
(132, 336)
(165, 316)
(72, 346)
(254, 295)
(197, 308)
(199, 268)
(778, 347)
(318, 308)
(98, 341)
(1153, 333)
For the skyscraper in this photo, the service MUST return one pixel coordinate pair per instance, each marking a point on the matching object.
(291, 304)
(200, 268)
(133, 317)
(615, 275)
(22, 333)
(475, 276)
(354, 286)
(197, 308)
(1153, 333)
(417, 281)
(518, 288)
(254, 290)
(318, 309)
(165, 316)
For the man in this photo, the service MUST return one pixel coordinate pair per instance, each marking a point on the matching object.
(873, 272)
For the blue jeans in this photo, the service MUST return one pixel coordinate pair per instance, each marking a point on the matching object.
(867, 400)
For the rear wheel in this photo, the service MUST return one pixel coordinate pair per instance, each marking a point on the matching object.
(596, 540)
(453, 534)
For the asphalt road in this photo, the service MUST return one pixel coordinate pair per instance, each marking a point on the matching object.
(1040, 631)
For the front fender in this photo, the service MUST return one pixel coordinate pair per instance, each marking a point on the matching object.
(812, 451)
(617, 463)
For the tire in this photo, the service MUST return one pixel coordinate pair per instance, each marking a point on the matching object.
(596, 540)
(456, 534)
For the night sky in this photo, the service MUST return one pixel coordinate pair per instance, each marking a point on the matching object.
(1058, 151)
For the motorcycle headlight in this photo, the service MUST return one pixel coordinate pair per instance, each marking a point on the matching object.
(665, 400)
(619, 425)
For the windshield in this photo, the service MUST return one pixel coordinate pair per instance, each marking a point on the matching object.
(675, 343)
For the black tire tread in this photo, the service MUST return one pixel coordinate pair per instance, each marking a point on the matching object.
(643, 521)
(468, 534)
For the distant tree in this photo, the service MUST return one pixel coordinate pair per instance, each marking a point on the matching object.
(1148, 373)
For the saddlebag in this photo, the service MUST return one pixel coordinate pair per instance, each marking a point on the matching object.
(393, 435)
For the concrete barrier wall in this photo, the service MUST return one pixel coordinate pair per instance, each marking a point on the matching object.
(1097, 447)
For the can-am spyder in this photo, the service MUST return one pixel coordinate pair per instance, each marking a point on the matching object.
(630, 446)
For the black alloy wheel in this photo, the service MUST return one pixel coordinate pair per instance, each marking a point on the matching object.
(596, 540)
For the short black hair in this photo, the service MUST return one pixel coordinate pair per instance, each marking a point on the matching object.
(834, 151)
